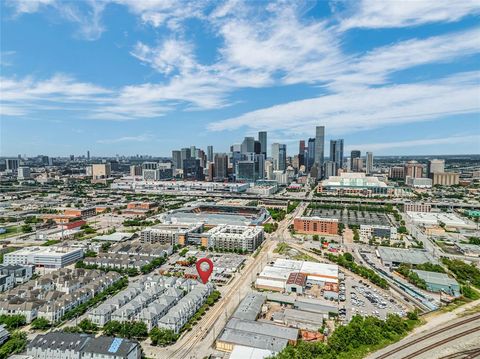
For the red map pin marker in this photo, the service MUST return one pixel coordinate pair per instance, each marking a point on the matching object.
(204, 273)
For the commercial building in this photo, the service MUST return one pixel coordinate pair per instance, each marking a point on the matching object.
(435, 166)
(262, 138)
(171, 234)
(23, 173)
(232, 237)
(316, 225)
(135, 170)
(220, 166)
(439, 282)
(418, 182)
(413, 169)
(396, 172)
(55, 345)
(279, 156)
(416, 207)
(47, 257)
(369, 160)
(445, 178)
(353, 156)
(436, 218)
(83, 212)
(393, 257)
(319, 148)
(356, 184)
(101, 171)
(368, 232)
(336, 153)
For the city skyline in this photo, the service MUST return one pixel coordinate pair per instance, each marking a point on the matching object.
(143, 78)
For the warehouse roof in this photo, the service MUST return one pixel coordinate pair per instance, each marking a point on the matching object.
(263, 328)
(261, 341)
(250, 306)
(243, 352)
(400, 255)
(436, 278)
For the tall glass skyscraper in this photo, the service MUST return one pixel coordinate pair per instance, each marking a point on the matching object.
(319, 148)
(279, 156)
(336, 152)
(262, 138)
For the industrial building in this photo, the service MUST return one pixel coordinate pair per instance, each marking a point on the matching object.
(416, 207)
(46, 257)
(55, 345)
(178, 186)
(393, 257)
(316, 225)
(275, 277)
(437, 218)
(243, 329)
(439, 282)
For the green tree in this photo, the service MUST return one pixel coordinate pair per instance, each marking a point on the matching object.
(163, 337)
(40, 324)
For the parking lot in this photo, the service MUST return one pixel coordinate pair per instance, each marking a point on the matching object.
(363, 299)
(353, 217)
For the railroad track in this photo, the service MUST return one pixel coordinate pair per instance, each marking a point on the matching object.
(206, 326)
(441, 342)
(428, 336)
(466, 354)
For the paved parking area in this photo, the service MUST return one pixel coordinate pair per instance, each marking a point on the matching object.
(353, 217)
(364, 300)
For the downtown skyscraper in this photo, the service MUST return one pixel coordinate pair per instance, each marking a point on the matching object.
(336, 152)
(319, 149)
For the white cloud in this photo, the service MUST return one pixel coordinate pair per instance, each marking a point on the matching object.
(29, 6)
(450, 140)
(139, 138)
(389, 14)
(362, 109)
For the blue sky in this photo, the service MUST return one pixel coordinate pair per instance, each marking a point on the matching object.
(145, 77)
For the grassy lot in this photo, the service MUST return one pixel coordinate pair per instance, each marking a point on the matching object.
(11, 231)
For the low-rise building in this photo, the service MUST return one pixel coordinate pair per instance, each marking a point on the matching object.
(354, 184)
(368, 232)
(470, 250)
(393, 257)
(418, 182)
(55, 345)
(4, 334)
(316, 225)
(445, 178)
(21, 273)
(47, 257)
(416, 207)
(439, 282)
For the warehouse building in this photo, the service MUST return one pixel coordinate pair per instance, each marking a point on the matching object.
(439, 282)
(434, 218)
(55, 345)
(393, 257)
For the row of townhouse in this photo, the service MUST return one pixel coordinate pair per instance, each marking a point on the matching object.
(14, 274)
(148, 300)
(111, 309)
(54, 311)
(54, 294)
(186, 307)
(118, 261)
